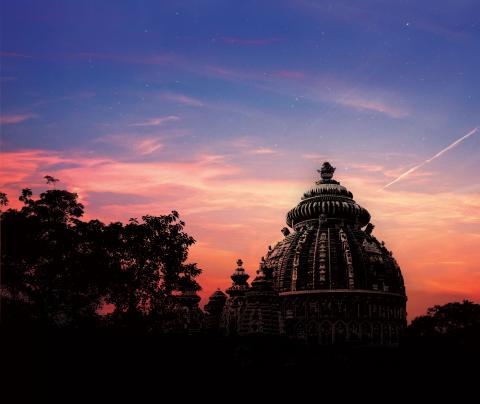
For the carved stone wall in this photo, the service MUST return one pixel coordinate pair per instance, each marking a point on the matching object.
(340, 317)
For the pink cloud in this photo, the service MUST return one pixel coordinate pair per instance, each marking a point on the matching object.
(315, 156)
(157, 121)
(366, 104)
(182, 99)
(15, 118)
(141, 145)
(249, 145)
(234, 212)
(264, 150)
(148, 146)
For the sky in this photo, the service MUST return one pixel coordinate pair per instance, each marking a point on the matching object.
(224, 110)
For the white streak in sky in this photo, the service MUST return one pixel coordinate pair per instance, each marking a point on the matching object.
(411, 170)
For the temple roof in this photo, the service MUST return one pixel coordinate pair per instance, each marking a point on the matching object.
(328, 249)
(330, 199)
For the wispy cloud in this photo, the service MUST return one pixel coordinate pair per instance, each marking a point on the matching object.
(208, 189)
(323, 87)
(157, 121)
(141, 145)
(251, 145)
(315, 156)
(147, 146)
(15, 118)
(441, 152)
(366, 104)
(264, 150)
(182, 99)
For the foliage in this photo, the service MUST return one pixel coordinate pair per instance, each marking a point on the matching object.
(58, 270)
(452, 323)
(3, 199)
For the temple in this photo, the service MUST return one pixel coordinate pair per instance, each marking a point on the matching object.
(328, 281)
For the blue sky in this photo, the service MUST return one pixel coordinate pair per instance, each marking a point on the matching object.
(104, 63)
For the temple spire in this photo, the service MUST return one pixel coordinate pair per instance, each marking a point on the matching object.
(326, 172)
(239, 278)
(262, 311)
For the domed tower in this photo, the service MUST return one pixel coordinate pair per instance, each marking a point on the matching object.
(214, 310)
(236, 302)
(189, 316)
(262, 310)
(336, 281)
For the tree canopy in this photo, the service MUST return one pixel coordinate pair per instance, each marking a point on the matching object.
(453, 324)
(61, 271)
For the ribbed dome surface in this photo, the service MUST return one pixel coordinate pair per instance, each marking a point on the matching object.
(329, 250)
(328, 198)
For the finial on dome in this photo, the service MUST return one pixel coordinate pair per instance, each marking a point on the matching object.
(326, 171)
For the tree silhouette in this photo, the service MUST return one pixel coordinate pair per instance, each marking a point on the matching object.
(3, 199)
(151, 254)
(451, 324)
(59, 271)
(51, 180)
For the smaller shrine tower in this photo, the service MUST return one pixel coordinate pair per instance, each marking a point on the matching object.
(237, 298)
(261, 315)
(189, 314)
(214, 310)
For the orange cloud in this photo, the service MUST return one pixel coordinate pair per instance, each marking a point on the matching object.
(236, 212)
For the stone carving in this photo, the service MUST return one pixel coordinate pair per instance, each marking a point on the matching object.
(322, 254)
(348, 258)
(285, 231)
(369, 228)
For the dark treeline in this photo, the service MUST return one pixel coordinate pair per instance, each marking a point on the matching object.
(59, 271)
(84, 300)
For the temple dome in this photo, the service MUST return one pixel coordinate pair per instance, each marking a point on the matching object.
(328, 248)
(330, 281)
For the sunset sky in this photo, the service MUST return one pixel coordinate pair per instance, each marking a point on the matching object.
(223, 110)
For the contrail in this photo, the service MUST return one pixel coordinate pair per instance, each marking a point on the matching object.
(411, 170)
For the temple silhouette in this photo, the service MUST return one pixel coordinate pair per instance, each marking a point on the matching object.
(328, 281)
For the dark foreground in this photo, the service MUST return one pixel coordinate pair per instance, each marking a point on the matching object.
(46, 364)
